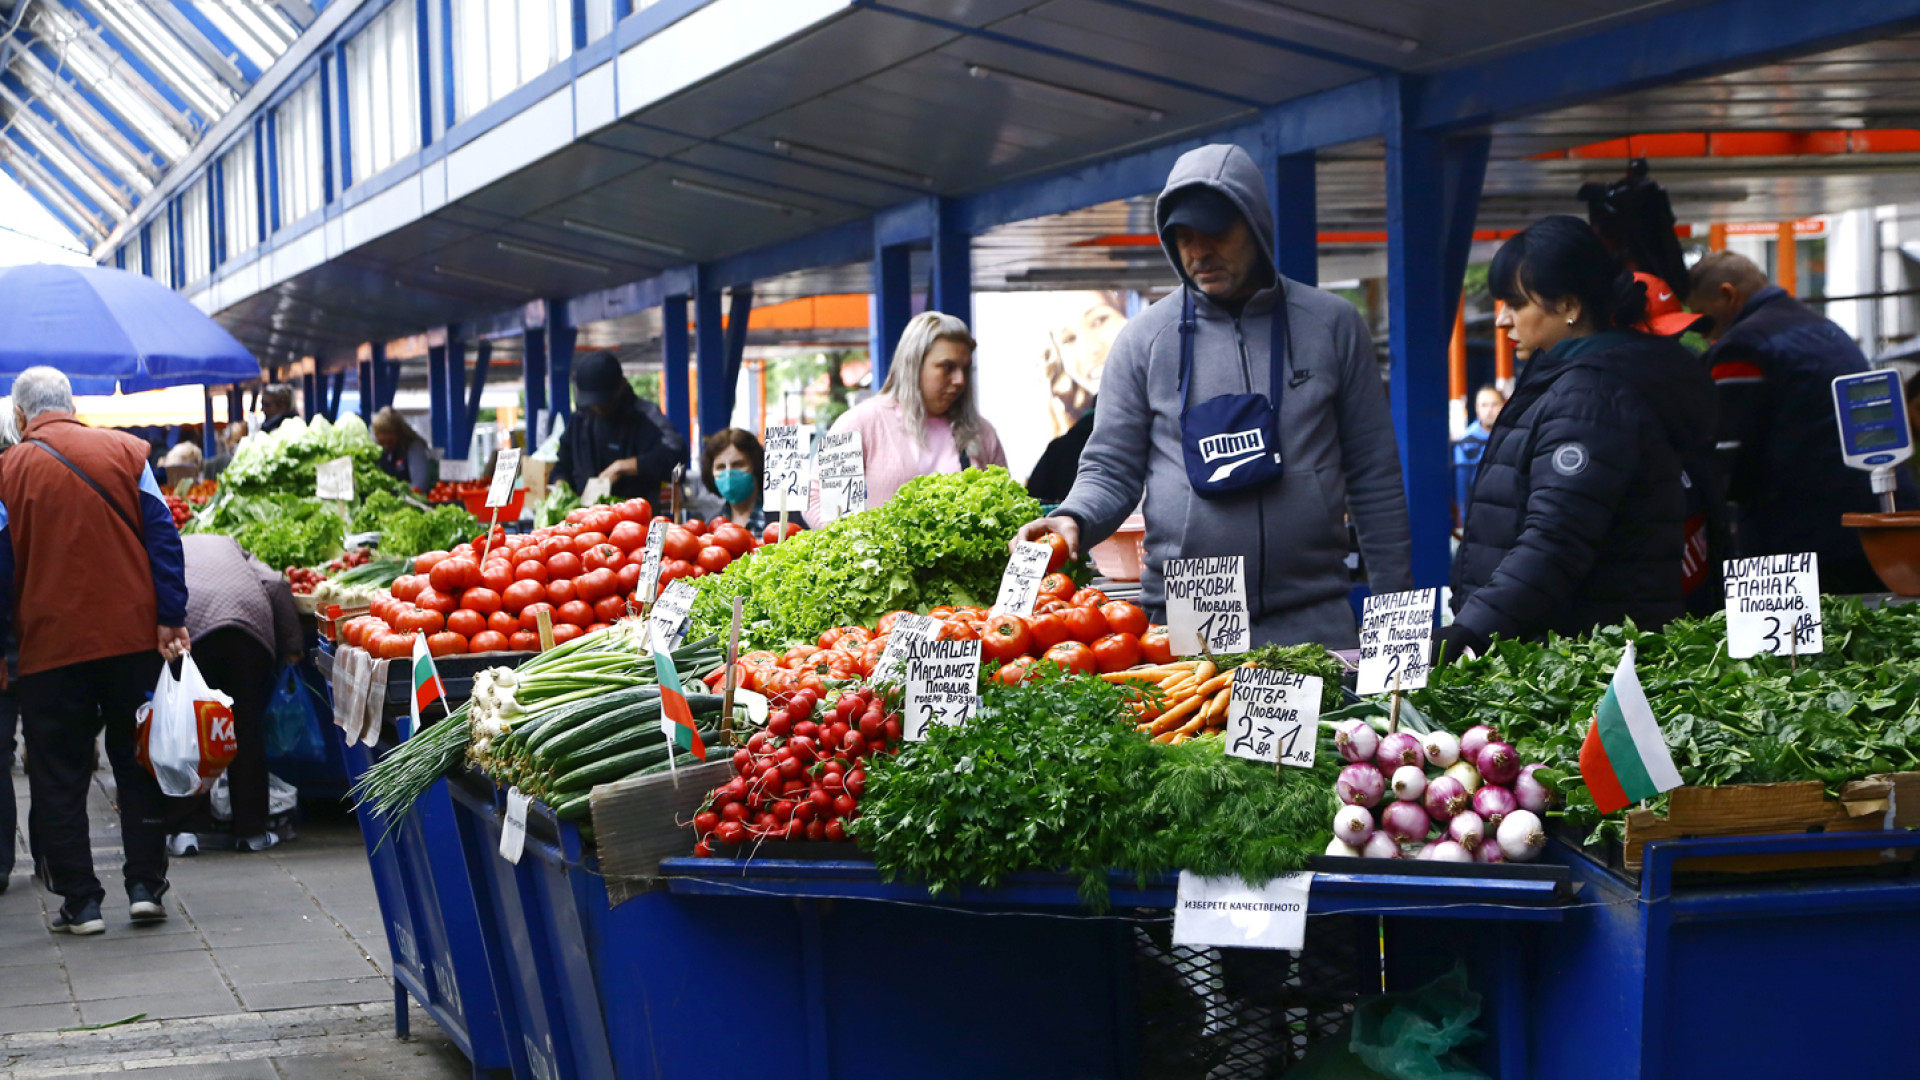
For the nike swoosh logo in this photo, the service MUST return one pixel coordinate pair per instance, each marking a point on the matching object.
(1226, 470)
(1665, 296)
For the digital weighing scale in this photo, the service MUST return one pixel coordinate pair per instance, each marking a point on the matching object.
(1873, 427)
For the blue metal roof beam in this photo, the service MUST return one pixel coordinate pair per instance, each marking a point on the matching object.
(69, 40)
(80, 111)
(221, 56)
(165, 61)
(35, 119)
(54, 208)
(51, 186)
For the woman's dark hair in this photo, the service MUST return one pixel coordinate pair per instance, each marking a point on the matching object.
(1560, 257)
(739, 439)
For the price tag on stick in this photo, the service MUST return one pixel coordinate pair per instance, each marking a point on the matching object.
(843, 476)
(597, 488)
(1773, 605)
(644, 592)
(1396, 641)
(908, 631)
(1226, 912)
(1020, 582)
(667, 622)
(513, 833)
(787, 449)
(1207, 605)
(505, 468)
(1274, 716)
(334, 480)
(943, 685)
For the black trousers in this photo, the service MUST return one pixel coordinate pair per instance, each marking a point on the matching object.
(63, 710)
(235, 664)
(9, 817)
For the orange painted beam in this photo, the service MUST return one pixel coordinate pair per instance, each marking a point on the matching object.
(1693, 144)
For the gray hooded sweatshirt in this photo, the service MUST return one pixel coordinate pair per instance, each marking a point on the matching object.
(1336, 439)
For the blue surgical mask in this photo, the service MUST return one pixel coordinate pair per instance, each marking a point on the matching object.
(734, 485)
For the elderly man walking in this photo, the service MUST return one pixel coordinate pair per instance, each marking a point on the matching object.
(91, 570)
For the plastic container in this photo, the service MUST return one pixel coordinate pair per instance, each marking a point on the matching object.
(476, 502)
(1121, 555)
(1892, 542)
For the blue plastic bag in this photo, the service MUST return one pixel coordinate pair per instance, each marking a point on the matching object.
(293, 724)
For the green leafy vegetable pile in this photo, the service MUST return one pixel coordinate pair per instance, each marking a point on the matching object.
(939, 540)
(1051, 775)
(279, 530)
(406, 529)
(282, 461)
(1847, 712)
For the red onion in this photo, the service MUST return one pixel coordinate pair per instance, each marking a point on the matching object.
(1356, 739)
(1337, 846)
(1521, 836)
(1400, 748)
(1468, 776)
(1531, 793)
(1445, 797)
(1498, 763)
(1405, 821)
(1353, 824)
(1381, 846)
(1494, 803)
(1476, 737)
(1446, 851)
(1409, 783)
(1360, 784)
(1441, 748)
(1489, 853)
(1468, 829)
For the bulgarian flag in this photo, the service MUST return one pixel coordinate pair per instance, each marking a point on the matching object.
(1625, 756)
(676, 719)
(426, 681)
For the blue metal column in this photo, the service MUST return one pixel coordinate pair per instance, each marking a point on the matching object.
(1295, 197)
(367, 389)
(892, 306)
(335, 396)
(462, 432)
(441, 395)
(952, 264)
(1433, 190)
(675, 352)
(310, 395)
(561, 338)
(207, 444)
(739, 318)
(533, 378)
(710, 361)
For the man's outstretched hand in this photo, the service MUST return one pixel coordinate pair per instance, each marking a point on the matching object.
(1068, 529)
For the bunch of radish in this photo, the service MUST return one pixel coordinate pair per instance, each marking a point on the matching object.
(1435, 796)
(802, 777)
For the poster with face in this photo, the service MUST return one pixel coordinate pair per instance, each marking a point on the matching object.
(1039, 364)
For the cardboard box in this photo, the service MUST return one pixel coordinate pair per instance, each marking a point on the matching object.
(1771, 810)
(641, 820)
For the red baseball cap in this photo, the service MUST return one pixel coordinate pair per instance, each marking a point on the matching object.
(1665, 317)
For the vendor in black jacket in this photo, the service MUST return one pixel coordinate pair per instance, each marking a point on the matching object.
(609, 436)
(1579, 508)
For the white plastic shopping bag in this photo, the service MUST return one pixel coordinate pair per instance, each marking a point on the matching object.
(185, 734)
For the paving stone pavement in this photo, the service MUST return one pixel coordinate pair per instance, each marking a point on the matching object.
(270, 965)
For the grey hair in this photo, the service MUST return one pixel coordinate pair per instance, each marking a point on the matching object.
(42, 389)
(903, 379)
(9, 431)
(280, 392)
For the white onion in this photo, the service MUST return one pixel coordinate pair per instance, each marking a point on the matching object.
(1530, 792)
(1468, 829)
(1446, 851)
(1468, 776)
(1476, 737)
(1521, 836)
(1405, 821)
(1356, 740)
(1441, 748)
(1381, 846)
(1409, 783)
(1489, 853)
(1360, 784)
(1337, 846)
(1353, 824)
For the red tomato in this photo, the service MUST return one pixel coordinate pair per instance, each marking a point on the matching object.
(577, 612)
(530, 570)
(602, 556)
(597, 627)
(1057, 545)
(426, 560)
(483, 600)
(714, 559)
(1048, 631)
(502, 622)
(1059, 585)
(1116, 652)
(576, 515)
(957, 630)
(374, 639)
(1073, 656)
(601, 519)
(562, 565)
(771, 534)
(628, 535)
(638, 511)
(596, 584)
(1005, 637)
(466, 622)
(520, 594)
(1125, 618)
(1085, 624)
(587, 541)
(565, 632)
(681, 544)
(435, 600)
(1156, 647)
(608, 608)
(446, 644)
(463, 551)
(408, 586)
(530, 617)
(488, 641)
(562, 590)
(885, 625)
(497, 574)
(421, 621)
(1049, 604)
(524, 641)
(627, 578)
(1015, 671)
(1089, 597)
(735, 539)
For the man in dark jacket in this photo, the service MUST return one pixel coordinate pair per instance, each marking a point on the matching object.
(610, 436)
(90, 562)
(1774, 360)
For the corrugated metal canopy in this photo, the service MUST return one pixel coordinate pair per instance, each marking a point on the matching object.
(98, 98)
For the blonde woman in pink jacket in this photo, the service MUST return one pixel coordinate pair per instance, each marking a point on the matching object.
(924, 420)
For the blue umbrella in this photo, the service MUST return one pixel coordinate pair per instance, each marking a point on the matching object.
(108, 329)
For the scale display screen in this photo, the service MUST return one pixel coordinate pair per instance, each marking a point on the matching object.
(1873, 440)
(1873, 414)
(1873, 420)
(1867, 390)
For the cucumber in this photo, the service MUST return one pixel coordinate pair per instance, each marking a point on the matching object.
(596, 729)
(614, 733)
(631, 738)
(686, 759)
(575, 807)
(592, 709)
(618, 767)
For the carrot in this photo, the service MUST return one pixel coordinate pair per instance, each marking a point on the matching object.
(1216, 712)
(1174, 680)
(1178, 712)
(1204, 671)
(1211, 686)
(1185, 730)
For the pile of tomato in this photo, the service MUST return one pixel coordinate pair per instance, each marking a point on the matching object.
(181, 511)
(487, 596)
(303, 581)
(801, 778)
(452, 490)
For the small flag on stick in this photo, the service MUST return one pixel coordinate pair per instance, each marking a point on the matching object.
(426, 681)
(676, 719)
(1625, 758)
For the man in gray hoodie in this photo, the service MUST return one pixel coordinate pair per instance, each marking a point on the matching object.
(1336, 437)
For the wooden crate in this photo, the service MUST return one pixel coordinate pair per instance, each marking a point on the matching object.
(639, 821)
(1773, 809)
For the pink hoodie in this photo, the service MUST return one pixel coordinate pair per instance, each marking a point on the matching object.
(893, 458)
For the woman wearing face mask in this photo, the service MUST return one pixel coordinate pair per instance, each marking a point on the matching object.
(731, 463)
(1580, 505)
(923, 421)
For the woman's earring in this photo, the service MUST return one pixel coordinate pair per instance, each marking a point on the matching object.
(1569, 322)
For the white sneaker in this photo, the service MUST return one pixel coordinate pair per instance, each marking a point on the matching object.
(183, 845)
(259, 843)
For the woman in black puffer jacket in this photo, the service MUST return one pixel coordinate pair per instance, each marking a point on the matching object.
(1580, 504)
